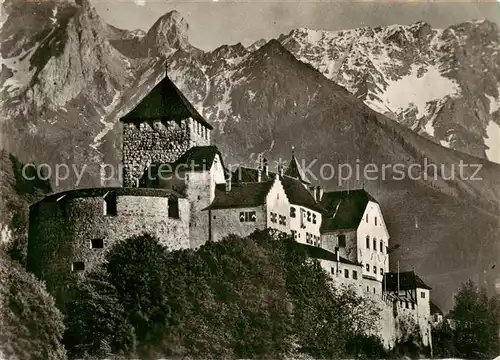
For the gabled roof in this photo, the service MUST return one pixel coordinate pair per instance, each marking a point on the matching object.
(298, 195)
(241, 195)
(295, 191)
(345, 209)
(435, 309)
(245, 174)
(294, 170)
(166, 102)
(198, 158)
(321, 253)
(408, 280)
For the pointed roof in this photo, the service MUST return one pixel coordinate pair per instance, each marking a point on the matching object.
(166, 102)
(295, 171)
(345, 209)
(295, 191)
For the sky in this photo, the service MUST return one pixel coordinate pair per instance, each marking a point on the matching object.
(217, 22)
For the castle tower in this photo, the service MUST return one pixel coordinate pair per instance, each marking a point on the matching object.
(160, 128)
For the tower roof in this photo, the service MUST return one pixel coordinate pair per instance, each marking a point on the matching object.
(166, 102)
(294, 170)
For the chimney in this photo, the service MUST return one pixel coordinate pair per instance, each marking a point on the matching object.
(228, 184)
(314, 192)
(259, 169)
(280, 170)
(319, 193)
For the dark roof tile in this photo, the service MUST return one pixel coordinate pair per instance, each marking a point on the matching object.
(407, 280)
(321, 253)
(345, 209)
(241, 195)
(165, 101)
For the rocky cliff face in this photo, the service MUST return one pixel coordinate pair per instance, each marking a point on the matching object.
(68, 79)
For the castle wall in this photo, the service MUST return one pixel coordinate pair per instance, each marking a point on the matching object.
(344, 274)
(306, 231)
(158, 141)
(424, 315)
(61, 232)
(372, 225)
(330, 241)
(227, 221)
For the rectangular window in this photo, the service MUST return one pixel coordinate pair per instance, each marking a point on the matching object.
(282, 220)
(374, 244)
(375, 220)
(367, 242)
(382, 247)
(375, 270)
(346, 273)
(332, 271)
(355, 275)
(366, 217)
(273, 217)
(309, 216)
(367, 267)
(78, 266)
(381, 271)
(406, 304)
(110, 205)
(413, 306)
(173, 208)
(314, 218)
(341, 240)
(96, 243)
(422, 295)
(294, 234)
(293, 212)
(248, 216)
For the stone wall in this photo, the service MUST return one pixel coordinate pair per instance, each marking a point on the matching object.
(227, 221)
(158, 141)
(62, 227)
(329, 241)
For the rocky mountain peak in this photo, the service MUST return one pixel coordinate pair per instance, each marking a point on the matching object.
(169, 32)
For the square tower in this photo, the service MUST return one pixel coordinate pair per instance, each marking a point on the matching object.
(160, 129)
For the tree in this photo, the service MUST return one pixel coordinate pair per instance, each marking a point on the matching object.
(31, 325)
(442, 340)
(477, 322)
(96, 322)
(136, 268)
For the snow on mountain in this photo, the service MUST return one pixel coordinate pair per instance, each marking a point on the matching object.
(414, 74)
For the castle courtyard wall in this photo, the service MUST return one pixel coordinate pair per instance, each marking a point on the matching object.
(63, 226)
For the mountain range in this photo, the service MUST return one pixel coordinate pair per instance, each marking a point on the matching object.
(389, 95)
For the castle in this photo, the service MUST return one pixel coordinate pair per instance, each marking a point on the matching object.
(176, 187)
